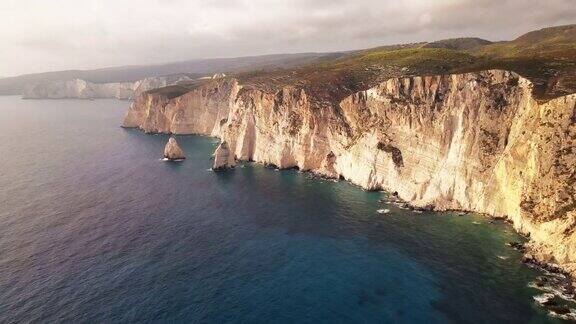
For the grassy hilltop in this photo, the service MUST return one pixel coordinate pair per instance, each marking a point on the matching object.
(547, 57)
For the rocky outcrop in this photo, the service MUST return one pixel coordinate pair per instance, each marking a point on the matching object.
(81, 89)
(223, 157)
(475, 141)
(172, 151)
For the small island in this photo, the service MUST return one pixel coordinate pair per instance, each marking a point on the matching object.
(173, 152)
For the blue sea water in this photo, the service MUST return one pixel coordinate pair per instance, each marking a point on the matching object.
(95, 228)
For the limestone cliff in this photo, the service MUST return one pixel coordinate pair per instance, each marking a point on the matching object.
(81, 89)
(475, 141)
(157, 113)
(223, 157)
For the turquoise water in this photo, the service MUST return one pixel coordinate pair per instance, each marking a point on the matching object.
(94, 228)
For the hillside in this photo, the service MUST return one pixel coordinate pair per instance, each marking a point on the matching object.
(546, 57)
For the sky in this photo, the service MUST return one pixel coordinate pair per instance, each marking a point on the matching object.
(41, 35)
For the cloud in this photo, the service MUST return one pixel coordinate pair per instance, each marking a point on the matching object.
(40, 35)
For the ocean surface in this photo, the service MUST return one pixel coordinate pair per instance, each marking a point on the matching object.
(95, 228)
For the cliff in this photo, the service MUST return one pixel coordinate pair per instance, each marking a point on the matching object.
(472, 141)
(81, 89)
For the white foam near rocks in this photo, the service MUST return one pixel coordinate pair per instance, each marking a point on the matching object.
(571, 316)
(544, 298)
(551, 289)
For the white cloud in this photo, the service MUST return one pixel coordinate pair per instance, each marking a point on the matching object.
(39, 35)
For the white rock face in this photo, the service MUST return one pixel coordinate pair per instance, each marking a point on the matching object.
(172, 151)
(211, 104)
(474, 141)
(81, 89)
(223, 157)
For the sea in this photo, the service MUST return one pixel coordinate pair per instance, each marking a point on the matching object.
(95, 228)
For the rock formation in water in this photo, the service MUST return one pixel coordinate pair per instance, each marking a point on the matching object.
(172, 151)
(81, 89)
(223, 157)
(474, 141)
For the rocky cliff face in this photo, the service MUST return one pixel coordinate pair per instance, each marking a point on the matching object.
(157, 113)
(475, 141)
(81, 89)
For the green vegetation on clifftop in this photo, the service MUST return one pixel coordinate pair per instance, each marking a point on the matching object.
(546, 57)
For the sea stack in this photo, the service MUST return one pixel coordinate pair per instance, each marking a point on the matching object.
(223, 158)
(172, 151)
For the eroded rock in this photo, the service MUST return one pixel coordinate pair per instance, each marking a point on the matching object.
(223, 157)
(172, 151)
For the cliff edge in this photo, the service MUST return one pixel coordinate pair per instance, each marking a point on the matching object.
(82, 89)
(172, 150)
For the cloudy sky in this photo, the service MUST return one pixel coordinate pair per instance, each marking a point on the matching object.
(41, 35)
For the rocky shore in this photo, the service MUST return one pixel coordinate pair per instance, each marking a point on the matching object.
(223, 158)
(557, 287)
